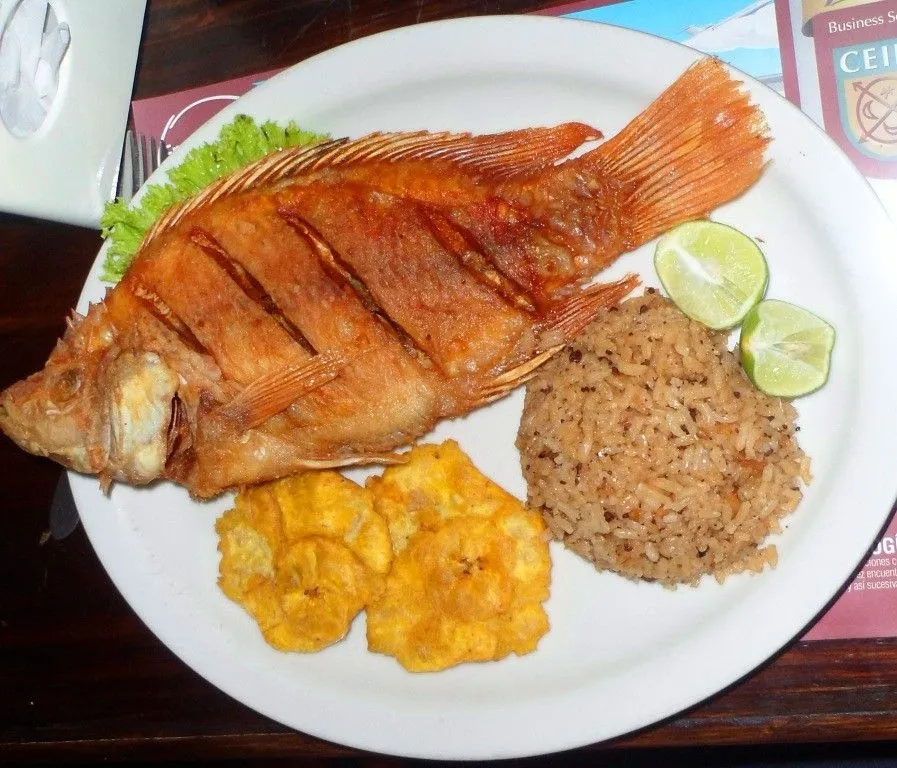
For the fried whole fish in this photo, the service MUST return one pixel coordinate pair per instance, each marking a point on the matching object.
(330, 304)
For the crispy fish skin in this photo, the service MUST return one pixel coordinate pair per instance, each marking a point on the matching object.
(330, 304)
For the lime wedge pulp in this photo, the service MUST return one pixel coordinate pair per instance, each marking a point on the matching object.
(785, 350)
(711, 271)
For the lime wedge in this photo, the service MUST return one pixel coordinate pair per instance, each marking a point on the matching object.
(785, 350)
(711, 271)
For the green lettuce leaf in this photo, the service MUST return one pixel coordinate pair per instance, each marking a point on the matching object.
(239, 143)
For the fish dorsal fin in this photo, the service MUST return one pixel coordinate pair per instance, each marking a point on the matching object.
(272, 393)
(500, 155)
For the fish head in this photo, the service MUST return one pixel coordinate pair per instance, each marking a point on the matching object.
(96, 407)
(49, 414)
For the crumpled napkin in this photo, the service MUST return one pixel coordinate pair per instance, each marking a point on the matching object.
(32, 45)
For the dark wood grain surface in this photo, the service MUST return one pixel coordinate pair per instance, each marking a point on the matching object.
(82, 678)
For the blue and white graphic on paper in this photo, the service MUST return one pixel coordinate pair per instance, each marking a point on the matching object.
(740, 32)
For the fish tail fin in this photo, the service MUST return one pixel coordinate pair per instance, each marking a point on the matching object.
(561, 324)
(699, 144)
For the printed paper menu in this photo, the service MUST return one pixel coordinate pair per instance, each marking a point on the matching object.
(839, 63)
(835, 59)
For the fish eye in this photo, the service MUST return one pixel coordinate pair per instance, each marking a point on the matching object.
(65, 385)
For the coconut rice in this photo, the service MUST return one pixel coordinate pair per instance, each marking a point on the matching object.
(650, 453)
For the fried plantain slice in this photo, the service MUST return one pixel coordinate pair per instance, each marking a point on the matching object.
(303, 556)
(330, 505)
(471, 568)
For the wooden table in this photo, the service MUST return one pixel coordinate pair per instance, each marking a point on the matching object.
(82, 677)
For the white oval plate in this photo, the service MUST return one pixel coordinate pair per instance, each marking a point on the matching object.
(619, 655)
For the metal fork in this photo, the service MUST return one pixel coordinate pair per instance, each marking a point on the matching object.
(141, 155)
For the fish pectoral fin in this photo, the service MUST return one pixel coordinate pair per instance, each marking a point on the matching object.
(272, 393)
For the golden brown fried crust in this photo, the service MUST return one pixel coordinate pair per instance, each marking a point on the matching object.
(434, 267)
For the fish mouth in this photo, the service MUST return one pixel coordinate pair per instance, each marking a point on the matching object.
(36, 425)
